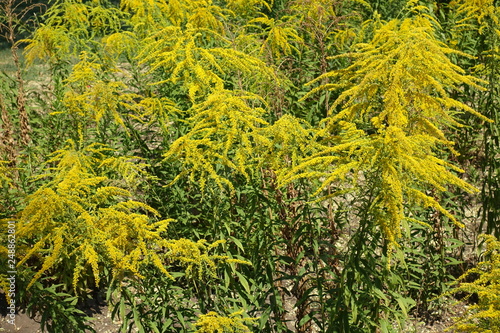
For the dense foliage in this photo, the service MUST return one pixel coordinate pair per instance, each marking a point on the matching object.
(251, 165)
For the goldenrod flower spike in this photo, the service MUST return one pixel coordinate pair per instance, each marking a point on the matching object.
(398, 86)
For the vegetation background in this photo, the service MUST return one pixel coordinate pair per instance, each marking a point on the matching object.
(252, 166)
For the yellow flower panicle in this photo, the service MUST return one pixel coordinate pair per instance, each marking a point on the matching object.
(200, 70)
(280, 35)
(76, 221)
(398, 86)
(483, 317)
(248, 8)
(484, 13)
(69, 26)
(283, 144)
(212, 322)
(225, 129)
(195, 258)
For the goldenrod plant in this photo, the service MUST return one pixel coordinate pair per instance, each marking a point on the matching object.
(215, 323)
(248, 9)
(484, 316)
(77, 223)
(280, 37)
(307, 150)
(196, 259)
(398, 92)
(474, 28)
(225, 130)
(200, 70)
